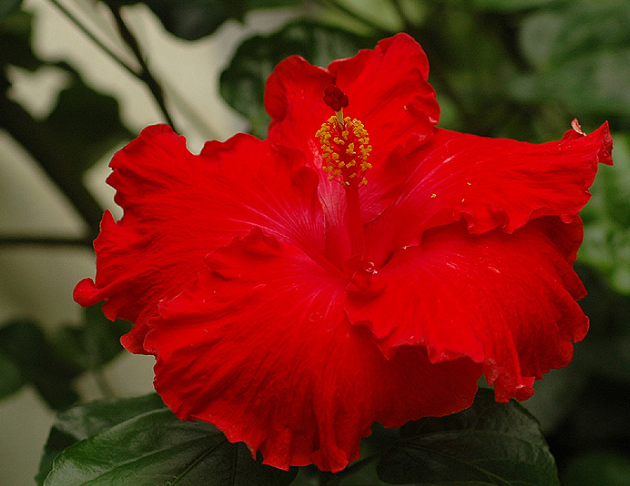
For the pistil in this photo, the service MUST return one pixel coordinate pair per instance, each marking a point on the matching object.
(345, 150)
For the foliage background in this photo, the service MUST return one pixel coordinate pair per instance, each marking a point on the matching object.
(516, 68)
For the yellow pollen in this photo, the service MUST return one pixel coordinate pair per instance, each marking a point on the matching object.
(345, 150)
(433, 196)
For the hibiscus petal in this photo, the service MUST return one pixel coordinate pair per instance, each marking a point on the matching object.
(179, 207)
(260, 346)
(490, 183)
(388, 92)
(387, 88)
(506, 301)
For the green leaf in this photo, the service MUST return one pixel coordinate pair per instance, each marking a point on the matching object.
(15, 36)
(86, 123)
(488, 444)
(92, 418)
(24, 343)
(606, 218)
(92, 344)
(604, 352)
(194, 19)
(139, 441)
(581, 56)
(7, 7)
(598, 469)
(510, 5)
(243, 82)
(11, 378)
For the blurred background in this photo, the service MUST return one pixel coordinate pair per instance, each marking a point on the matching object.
(80, 78)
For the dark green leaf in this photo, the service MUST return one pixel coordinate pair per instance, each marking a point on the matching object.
(92, 418)
(556, 396)
(7, 7)
(598, 469)
(92, 344)
(604, 352)
(11, 378)
(140, 442)
(488, 444)
(15, 35)
(471, 77)
(87, 122)
(243, 82)
(553, 36)
(194, 19)
(581, 55)
(24, 343)
(510, 5)
(84, 421)
(257, 4)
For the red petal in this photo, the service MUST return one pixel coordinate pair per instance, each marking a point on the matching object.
(389, 93)
(490, 183)
(179, 207)
(293, 99)
(507, 301)
(387, 90)
(260, 346)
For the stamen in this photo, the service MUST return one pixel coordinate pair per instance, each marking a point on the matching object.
(345, 144)
(345, 150)
(346, 147)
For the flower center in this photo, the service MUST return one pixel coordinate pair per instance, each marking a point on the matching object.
(346, 147)
(345, 142)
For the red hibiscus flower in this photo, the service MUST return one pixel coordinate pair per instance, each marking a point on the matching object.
(359, 265)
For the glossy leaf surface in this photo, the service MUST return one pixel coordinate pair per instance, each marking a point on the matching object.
(139, 441)
(488, 444)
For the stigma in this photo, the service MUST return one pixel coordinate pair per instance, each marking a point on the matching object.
(344, 141)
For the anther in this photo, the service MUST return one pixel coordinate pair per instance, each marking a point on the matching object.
(345, 151)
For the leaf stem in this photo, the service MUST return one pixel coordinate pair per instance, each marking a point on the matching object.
(106, 389)
(145, 73)
(70, 16)
(48, 241)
